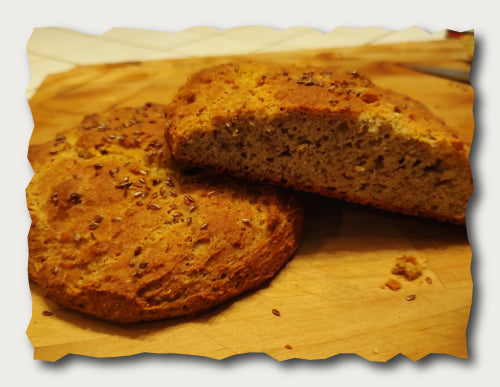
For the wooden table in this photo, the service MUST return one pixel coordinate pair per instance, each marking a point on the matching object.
(331, 295)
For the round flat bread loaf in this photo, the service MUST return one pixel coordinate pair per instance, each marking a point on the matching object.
(122, 232)
(317, 130)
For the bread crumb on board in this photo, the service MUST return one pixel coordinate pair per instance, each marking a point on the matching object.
(393, 284)
(409, 267)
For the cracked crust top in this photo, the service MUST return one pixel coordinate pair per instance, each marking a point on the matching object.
(121, 232)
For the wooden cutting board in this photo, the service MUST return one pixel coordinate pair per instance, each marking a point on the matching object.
(331, 295)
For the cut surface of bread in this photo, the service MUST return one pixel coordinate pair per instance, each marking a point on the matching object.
(122, 232)
(335, 134)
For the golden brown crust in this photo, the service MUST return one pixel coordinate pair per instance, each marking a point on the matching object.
(233, 89)
(122, 232)
(248, 98)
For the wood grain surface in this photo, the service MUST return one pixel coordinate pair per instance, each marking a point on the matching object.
(331, 295)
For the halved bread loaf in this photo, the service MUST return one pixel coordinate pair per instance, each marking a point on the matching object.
(335, 134)
(121, 232)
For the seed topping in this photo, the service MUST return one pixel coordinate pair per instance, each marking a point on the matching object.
(53, 198)
(154, 206)
(75, 198)
(169, 181)
(307, 80)
(188, 200)
(124, 185)
(114, 171)
(369, 97)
